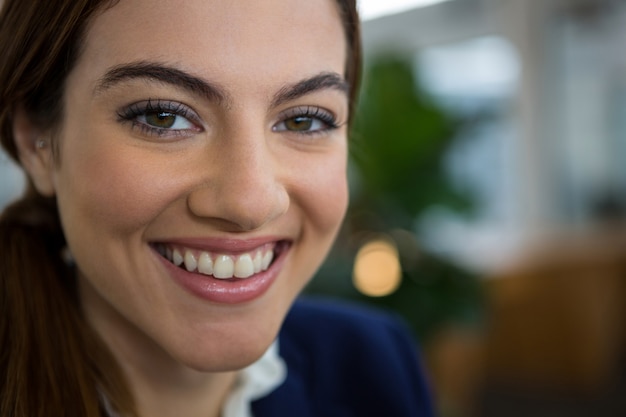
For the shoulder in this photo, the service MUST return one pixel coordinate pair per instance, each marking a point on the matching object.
(349, 360)
(328, 327)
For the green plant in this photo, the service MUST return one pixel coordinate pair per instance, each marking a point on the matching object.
(398, 145)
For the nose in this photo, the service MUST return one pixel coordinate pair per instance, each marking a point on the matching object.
(243, 189)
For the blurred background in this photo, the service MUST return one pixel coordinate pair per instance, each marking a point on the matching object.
(488, 206)
(488, 199)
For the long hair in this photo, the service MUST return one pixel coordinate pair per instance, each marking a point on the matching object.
(51, 362)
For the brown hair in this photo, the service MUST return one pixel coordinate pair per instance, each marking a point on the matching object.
(51, 362)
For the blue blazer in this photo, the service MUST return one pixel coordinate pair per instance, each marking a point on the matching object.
(346, 362)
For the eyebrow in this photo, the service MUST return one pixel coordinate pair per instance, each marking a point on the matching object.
(323, 81)
(164, 74)
(176, 77)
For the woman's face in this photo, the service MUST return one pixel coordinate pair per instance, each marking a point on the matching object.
(211, 133)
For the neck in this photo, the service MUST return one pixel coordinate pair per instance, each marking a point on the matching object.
(183, 393)
(163, 387)
(160, 385)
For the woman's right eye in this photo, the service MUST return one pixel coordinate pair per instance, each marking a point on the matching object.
(165, 120)
(161, 118)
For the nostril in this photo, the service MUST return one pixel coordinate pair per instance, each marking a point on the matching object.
(240, 208)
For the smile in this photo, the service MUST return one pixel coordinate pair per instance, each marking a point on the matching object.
(221, 265)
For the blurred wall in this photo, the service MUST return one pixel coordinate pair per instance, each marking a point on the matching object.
(11, 180)
(551, 158)
(547, 167)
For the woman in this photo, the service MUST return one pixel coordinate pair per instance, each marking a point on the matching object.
(186, 165)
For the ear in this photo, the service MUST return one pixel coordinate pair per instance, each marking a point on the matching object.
(35, 152)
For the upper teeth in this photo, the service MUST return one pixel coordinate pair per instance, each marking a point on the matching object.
(222, 266)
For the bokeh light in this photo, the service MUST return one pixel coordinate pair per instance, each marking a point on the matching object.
(377, 270)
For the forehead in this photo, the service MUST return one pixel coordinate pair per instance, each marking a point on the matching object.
(237, 43)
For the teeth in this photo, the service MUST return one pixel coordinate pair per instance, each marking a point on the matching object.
(190, 261)
(257, 262)
(177, 258)
(244, 266)
(205, 264)
(224, 267)
(267, 259)
(220, 266)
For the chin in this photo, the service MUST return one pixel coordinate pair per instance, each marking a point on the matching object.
(225, 360)
(226, 349)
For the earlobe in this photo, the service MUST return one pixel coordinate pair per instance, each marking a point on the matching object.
(34, 152)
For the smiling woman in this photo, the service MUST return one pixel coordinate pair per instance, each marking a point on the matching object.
(187, 177)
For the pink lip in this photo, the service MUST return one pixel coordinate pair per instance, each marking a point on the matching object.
(226, 291)
(229, 246)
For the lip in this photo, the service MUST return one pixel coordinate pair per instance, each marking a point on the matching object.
(229, 291)
(228, 246)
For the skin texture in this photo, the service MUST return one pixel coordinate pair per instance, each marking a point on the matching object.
(231, 173)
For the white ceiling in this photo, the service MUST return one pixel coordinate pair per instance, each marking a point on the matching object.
(371, 9)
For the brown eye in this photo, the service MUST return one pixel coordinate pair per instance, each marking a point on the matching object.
(299, 124)
(162, 120)
(306, 120)
(165, 120)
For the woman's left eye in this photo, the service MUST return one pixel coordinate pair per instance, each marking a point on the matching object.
(301, 124)
(306, 120)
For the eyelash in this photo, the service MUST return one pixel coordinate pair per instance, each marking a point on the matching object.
(309, 112)
(134, 111)
(140, 109)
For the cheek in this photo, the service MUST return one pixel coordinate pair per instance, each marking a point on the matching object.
(324, 194)
(112, 187)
